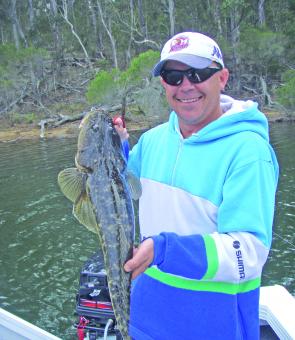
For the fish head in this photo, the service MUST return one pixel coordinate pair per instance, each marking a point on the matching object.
(98, 140)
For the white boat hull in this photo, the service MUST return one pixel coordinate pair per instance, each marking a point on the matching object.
(276, 309)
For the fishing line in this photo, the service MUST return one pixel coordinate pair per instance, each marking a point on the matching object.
(286, 241)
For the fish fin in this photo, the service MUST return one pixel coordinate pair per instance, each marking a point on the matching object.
(71, 183)
(134, 185)
(83, 211)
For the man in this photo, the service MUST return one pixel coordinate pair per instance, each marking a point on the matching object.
(209, 177)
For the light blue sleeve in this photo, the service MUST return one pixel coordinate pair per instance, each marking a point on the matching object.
(249, 200)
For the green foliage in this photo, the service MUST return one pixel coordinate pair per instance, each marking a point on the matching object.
(261, 49)
(113, 85)
(9, 54)
(17, 67)
(102, 64)
(5, 83)
(140, 67)
(18, 118)
(11, 59)
(228, 5)
(31, 117)
(67, 108)
(101, 86)
(286, 93)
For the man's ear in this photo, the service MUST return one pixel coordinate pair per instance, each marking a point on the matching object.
(223, 76)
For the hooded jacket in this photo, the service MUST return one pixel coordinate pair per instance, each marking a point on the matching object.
(208, 202)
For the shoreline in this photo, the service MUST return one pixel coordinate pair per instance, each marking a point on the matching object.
(68, 130)
(71, 130)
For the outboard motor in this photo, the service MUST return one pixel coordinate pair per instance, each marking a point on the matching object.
(96, 319)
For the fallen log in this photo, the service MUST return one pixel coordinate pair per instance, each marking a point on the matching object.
(61, 119)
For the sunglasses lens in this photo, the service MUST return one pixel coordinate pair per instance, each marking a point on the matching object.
(198, 76)
(172, 77)
(195, 76)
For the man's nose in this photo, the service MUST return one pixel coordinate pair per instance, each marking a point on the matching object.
(186, 83)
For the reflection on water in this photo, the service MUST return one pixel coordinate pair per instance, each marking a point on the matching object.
(42, 247)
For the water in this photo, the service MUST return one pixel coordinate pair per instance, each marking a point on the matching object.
(42, 247)
(280, 266)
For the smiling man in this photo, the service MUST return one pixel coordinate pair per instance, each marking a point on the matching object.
(209, 177)
(196, 104)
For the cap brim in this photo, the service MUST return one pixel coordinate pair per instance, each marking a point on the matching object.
(188, 59)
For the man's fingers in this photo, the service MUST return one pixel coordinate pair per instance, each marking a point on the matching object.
(142, 258)
(140, 270)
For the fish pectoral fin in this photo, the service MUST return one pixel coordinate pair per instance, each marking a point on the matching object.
(83, 211)
(134, 185)
(71, 183)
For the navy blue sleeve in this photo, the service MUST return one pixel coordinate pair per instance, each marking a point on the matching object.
(125, 146)
(180, 255)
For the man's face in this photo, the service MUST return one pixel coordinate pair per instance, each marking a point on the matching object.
(195, 104)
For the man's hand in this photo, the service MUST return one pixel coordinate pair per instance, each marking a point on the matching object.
(119, 126)
(142, 258)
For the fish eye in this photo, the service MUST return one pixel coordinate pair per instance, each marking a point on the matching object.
(95, 127)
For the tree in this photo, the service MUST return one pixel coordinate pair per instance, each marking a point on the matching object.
(261, 13)
(262, 52)
(286, 92)
(108, 27)
(116, 86)
(16, 26)
(64, 14)
(257, 39)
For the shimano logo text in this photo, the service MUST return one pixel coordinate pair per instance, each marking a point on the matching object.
(241, 268)
(240, 264)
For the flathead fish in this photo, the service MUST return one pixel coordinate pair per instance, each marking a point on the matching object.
(102, 192)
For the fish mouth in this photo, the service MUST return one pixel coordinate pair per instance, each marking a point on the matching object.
(82, 168)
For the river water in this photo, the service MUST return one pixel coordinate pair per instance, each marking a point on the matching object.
(42, 246)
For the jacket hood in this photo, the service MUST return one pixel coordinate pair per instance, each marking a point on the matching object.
(237, 116)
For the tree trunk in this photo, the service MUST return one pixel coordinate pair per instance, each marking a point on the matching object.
(93, 21)
(266, 98)
(171, 17)
(17, 29)
(128, 51)
(109, 33)
(217, 16)
(142, 22)
(261, 14)
(53, 21)
(65, 16)
(57, 41)
(31, 14)
(15, 36)
(234, 37)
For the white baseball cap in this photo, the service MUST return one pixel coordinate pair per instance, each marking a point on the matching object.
(191, 48)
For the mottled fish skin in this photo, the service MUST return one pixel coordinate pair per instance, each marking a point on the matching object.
(100, 157)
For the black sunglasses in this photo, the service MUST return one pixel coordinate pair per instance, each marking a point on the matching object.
(194, 75)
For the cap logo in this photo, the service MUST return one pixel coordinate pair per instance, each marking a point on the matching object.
(216, 52)
(178, 44)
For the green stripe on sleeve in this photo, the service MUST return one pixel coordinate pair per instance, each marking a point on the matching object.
(212, 257)
(206, 286)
